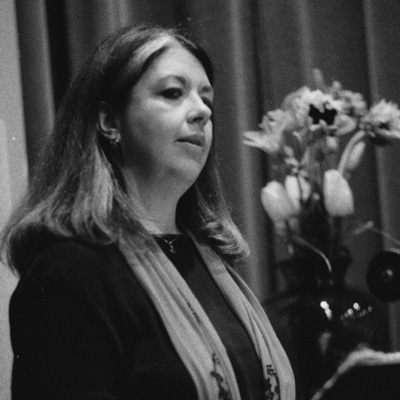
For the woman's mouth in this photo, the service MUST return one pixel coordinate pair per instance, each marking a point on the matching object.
(194, 139)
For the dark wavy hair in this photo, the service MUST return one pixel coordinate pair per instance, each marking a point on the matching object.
(78, 191)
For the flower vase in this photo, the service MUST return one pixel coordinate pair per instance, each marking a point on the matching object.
(319, 319)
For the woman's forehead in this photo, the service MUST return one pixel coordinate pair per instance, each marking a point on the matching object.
(175, 59)
(176, 63)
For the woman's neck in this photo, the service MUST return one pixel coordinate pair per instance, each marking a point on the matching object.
(160, 226)
(155, 204)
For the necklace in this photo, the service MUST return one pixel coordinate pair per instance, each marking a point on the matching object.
(170, 243)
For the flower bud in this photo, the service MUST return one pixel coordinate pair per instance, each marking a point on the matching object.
(276, 202)
(298, 189)
(338, 197)
(332, 144)
(355, 156)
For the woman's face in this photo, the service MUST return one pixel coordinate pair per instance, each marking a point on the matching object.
(166, 129)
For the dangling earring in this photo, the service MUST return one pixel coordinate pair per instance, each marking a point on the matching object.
(115, 145)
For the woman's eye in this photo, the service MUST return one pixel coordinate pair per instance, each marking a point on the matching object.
(172, 93)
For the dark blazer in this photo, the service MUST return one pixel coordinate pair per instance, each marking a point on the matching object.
(83, 328)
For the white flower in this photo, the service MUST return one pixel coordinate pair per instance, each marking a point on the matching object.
(314, 107)
(383, 121)
(270, 136)
(338, 197)
(276, 202)
(355, 156)
(332, 144)
(296, 106)
(344, 124)
(353, 103)
(318, 99)
(298, 190)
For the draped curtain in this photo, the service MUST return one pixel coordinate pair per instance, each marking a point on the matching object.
(262, 50)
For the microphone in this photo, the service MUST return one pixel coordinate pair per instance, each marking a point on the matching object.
(383, 275)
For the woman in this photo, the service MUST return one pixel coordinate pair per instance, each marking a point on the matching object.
(125, 246)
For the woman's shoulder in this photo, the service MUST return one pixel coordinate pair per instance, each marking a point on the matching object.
(68, 264)
(69, 256)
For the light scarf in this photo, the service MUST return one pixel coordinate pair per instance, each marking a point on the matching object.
(190, 330)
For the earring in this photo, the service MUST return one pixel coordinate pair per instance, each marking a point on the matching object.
(114, 143)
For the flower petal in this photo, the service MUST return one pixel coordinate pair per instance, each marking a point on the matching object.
(345, 124)
(338, 197)
(355, 156)
(276, 202)
(270, 136)
(298, 190)
(382, 122)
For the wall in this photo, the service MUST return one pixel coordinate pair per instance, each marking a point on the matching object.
(13, 166)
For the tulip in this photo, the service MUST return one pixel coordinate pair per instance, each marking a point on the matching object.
(350, 152)
(276, 202)
(298, 190)
(355, 156)
(338, 197)
(332, 144)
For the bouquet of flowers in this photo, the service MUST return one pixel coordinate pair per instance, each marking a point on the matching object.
(315, 140)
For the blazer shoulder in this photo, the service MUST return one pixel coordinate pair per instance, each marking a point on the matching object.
(70, 256)
(77, 266)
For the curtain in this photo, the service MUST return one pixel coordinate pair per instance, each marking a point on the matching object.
(262, 50)
(384, 77)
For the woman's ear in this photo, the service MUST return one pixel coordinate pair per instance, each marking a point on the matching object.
(108, 121)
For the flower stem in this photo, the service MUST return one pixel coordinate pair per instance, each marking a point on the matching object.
(369, 226)
(289, 235)
(347, 150)
(336, 231)
(316, 250)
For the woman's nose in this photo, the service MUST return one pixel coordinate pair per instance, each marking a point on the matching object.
(199, 111)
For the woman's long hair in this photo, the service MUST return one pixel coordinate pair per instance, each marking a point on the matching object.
(78, 191)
